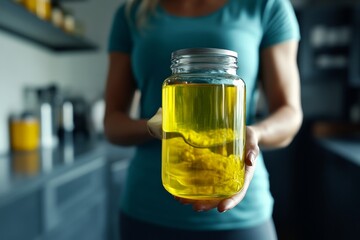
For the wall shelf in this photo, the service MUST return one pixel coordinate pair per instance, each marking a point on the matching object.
(69, 1)
(15, 19)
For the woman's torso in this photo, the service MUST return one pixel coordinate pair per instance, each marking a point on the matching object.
(237, 26)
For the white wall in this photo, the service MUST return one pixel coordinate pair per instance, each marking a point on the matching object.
(25, 64)
(85, 72)
(20, 65)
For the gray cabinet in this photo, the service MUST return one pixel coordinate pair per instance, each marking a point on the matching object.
(70, 192)
(70, 201)
(75, 203)
(68, 204)
(86, 223)
(19, 218)
(117, 170)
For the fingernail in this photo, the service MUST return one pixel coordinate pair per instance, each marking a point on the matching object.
(251, 158)
(225, 210)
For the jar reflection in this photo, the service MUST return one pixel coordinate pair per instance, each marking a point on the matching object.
(26, 163)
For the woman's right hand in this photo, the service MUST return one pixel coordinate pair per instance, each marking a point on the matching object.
(222, 205)
(154, 126)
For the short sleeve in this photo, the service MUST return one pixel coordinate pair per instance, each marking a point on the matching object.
(120, 35)
(279, 23)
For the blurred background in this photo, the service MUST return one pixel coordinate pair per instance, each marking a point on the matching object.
(59, 177)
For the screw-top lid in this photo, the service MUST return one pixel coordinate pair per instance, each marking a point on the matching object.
(203, 51)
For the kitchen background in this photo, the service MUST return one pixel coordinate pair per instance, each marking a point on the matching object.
(24, 63)
(314, 180)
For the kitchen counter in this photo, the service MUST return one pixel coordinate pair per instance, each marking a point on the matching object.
(21, 172)
(68, 192)
(347, 148)
(335, 169)
(339, 138)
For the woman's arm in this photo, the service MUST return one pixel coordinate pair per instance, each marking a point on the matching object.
(120, 88)
(281, 82)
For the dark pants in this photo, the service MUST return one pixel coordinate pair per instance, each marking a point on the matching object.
(133, 229)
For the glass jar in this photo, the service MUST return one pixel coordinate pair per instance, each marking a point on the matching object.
(203, 145)
(24, 132)
(43, 9)
(30, 5)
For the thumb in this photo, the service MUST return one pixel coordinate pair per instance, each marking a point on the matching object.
(154, 124)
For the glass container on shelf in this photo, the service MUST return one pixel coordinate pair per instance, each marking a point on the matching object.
(43, 9)
(30, 5)
(57, 17)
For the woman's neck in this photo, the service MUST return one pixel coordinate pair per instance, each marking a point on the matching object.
(192, 8)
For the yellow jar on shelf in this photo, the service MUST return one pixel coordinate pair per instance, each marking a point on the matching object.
(30, 5)
(24, 133)
(203, 144)
(43, 9)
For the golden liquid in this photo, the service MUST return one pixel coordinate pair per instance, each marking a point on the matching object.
(214, 117)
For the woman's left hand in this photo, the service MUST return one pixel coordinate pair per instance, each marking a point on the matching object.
(222, 205)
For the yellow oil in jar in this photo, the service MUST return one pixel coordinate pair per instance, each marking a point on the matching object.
(211, 117)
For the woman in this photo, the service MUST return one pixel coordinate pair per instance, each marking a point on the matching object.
(265, 35)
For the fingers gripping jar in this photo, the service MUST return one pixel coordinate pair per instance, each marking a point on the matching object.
(203, 144)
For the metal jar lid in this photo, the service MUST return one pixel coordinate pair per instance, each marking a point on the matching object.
(203, 51)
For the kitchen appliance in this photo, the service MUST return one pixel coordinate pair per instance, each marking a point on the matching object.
(66, 121)
(97, 116)
(75, 118)
(48, 115)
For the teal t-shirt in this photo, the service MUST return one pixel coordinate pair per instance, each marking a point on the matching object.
(244, 26)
